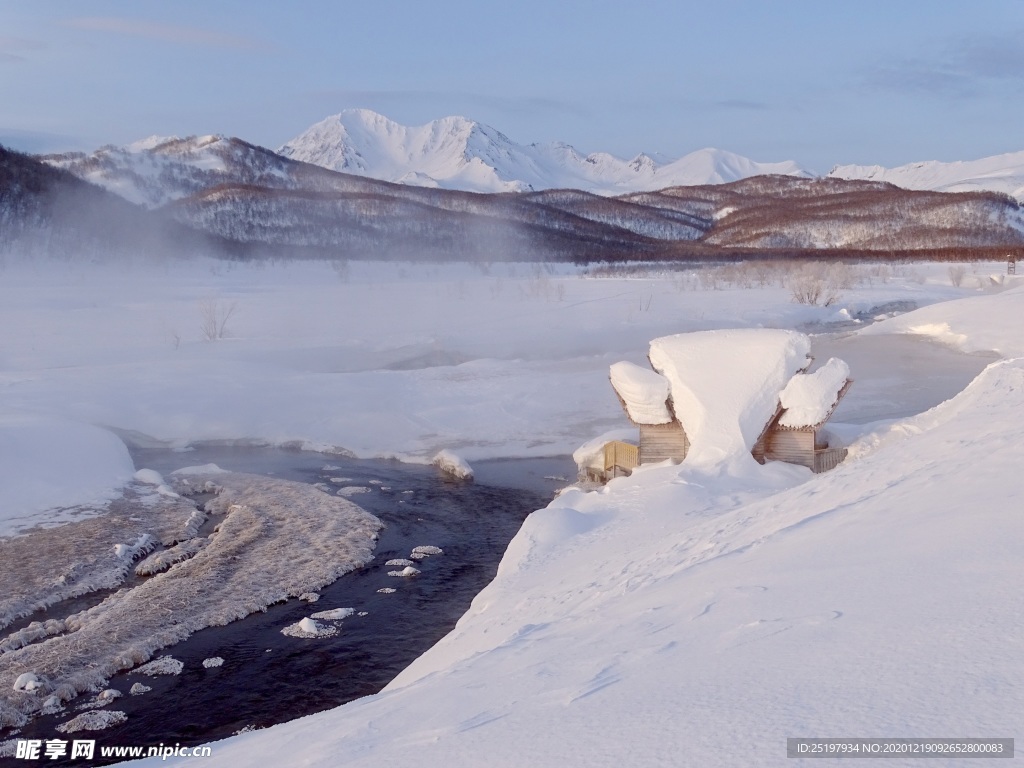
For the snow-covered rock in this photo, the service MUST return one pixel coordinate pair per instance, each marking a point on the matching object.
(335, 614)
(309, 628)
(453, 465)
(96, 720)
(405, 572)
(165, 665)
(427, 549)
(27, 681)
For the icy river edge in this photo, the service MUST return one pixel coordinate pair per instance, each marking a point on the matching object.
(268, 677)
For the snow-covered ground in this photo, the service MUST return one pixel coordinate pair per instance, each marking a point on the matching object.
(700, 615)
(684, 615)
(373, 359)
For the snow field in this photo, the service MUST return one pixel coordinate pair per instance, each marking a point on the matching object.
(595, 586)
(711, 613)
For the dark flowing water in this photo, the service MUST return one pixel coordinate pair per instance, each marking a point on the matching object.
(267, 677)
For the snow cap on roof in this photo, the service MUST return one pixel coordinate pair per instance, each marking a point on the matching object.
(644, 392)
(725, 384)
(810, 398)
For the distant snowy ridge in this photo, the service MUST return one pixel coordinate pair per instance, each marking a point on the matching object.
(999, 173)
(458, 153)
(159, 169)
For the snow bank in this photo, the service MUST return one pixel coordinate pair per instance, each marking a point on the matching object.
(149, 477)
(644, 392)
(976, 324)
(725, 384)
(808, 398)
(50, 463)
(212, 662)
(452, 465)
(667, 614)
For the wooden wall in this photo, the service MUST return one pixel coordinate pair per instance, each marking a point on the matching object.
(663, 441)
(795, 446)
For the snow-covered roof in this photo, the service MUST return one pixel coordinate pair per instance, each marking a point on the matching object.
(725, 384)
(644, 392)
(808, 399)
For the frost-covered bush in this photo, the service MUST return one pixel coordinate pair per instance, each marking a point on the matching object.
(957, 272)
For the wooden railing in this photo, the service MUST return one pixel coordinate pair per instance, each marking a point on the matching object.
(827, 458)
(620, 455)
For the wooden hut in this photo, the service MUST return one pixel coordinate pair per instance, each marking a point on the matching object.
(796, 434)
(644, 395)
(793, 423)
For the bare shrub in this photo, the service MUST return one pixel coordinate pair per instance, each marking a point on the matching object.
(710, 278)
(817, 283)
(957, 272)
(214, 318)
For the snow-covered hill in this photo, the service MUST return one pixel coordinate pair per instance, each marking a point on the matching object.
(457, 153)
(160, 169)
(999, 173)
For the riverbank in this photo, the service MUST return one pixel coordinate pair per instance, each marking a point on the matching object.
(266, 676)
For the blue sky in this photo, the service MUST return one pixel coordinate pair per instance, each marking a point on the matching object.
(817, 82)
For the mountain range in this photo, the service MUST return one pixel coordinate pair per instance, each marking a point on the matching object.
(456, 153)
(461, 154)
(320, 196)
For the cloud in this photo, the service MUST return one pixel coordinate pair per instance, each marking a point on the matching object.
(996, 57)
(920, 78)
(960, 69)
(168, 33)
(13, 48)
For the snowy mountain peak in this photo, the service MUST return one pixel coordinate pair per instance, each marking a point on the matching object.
(999, 173)
(459, 153)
